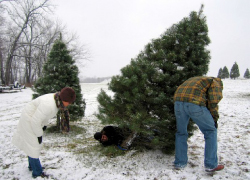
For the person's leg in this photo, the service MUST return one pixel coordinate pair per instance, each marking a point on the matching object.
(35, 166)
(203, 118)
(29, 167)
(182, 120)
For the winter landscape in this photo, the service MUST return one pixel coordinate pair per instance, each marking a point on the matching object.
(76, 156)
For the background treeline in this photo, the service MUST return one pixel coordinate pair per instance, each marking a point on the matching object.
(94, 79)
(28, 30)
(234, 72)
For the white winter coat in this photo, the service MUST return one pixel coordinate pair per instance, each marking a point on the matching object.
(33, 118)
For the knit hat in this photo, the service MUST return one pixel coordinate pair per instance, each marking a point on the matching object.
(98, 136)
(68, 94)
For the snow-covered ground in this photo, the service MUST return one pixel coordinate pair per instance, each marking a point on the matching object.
(73, 157)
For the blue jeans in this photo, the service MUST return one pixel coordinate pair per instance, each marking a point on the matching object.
(203, 118)
(35, 166)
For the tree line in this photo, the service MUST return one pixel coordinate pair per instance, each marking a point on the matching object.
(95, 79)
(27, 33)
(234, 72)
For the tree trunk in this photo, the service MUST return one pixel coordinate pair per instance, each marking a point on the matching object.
(10, 57)
(1, 65)
(31, 11)
(128, 142)
(28, 66)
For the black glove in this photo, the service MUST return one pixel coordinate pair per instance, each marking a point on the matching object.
(215, 124)
(44, 128)
(40, 139)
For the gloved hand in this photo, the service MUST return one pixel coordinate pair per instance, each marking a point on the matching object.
(215, 124)
(40, 139)
(44, 128)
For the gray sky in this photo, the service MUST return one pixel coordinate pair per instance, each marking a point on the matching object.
(114, 31)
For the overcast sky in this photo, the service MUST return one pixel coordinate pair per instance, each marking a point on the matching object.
(114, 31)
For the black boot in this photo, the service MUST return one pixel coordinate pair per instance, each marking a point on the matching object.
(43, 175)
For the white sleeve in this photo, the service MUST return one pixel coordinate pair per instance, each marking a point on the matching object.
(41, 114)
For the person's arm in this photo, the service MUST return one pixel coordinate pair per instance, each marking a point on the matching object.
(214, 97)
(119, 136)
(106, 143)
(213, 108)
(40, 115)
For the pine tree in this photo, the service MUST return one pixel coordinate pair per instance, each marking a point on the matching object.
(225, 73)
(58, 72)
(220, 73)
(247, 74)
(143, 93)
(234, 73)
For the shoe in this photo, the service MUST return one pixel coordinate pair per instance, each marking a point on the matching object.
(218, 168)
(179, 167)
(43, 175)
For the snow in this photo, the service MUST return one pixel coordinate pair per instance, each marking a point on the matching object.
(65, 163)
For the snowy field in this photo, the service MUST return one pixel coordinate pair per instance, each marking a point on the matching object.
(73, 157)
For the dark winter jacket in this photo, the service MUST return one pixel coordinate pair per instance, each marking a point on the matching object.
(114, 134)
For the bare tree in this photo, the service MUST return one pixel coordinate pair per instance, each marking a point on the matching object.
(78, 51)
(50, 32)
(21, 13)
(30, 35)
(1, 43)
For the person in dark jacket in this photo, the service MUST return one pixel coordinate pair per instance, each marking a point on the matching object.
(110, 135)
(197, 98)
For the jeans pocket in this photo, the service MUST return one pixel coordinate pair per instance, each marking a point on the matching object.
(195, 110)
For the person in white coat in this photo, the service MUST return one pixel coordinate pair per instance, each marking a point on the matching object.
(34, 120)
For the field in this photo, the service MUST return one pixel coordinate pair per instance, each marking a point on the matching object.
(78, 156)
